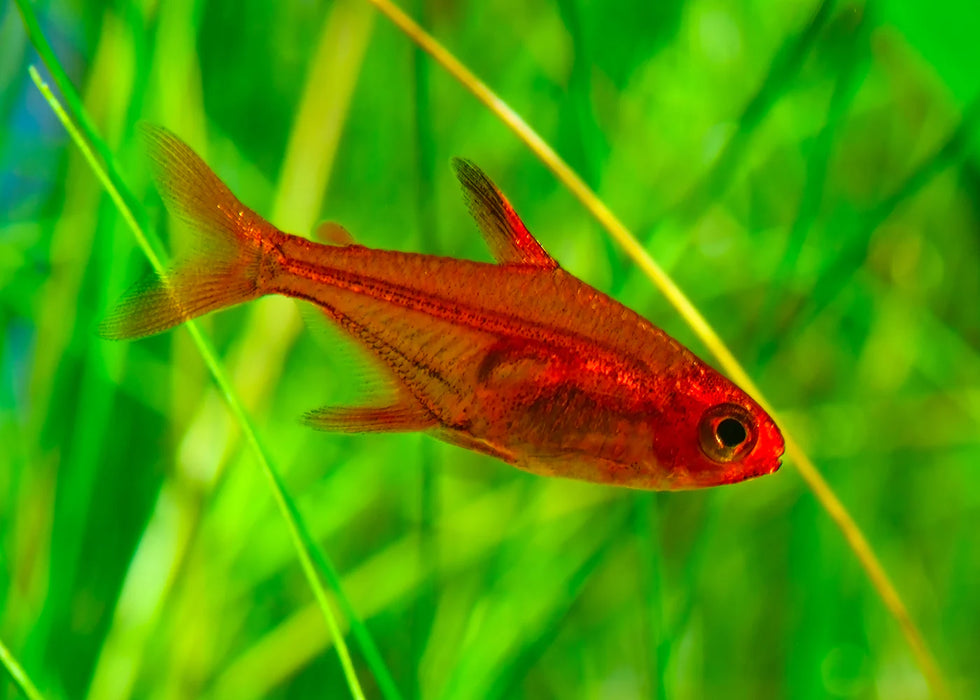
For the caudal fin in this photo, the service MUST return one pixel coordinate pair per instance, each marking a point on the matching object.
(226, 266)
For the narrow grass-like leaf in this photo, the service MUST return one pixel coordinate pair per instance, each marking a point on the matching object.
(593, 151)
(846, 85)
(428, 227)
(60, 77)
(807, 469)
(18, 674)
(285, 503)
(646, 521)
(832, 282)
(314, 138)
(298, 633)
(536, 642)
(785, 65)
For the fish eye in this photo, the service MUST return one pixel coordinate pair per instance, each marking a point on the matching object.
(727, 432)
(731, 433)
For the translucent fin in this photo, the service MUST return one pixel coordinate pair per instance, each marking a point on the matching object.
(470, 442)
(506, 235)
(400, 418)
(227, 264)
(157, 304)
(348, 358)
(333, 234)
(193, 193)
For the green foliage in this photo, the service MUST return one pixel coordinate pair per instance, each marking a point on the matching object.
(806, 173)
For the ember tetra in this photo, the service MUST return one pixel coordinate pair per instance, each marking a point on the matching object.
(519, 360)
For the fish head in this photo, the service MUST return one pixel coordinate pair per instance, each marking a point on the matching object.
(712, 433)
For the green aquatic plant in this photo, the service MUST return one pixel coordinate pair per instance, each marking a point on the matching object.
(802, 180)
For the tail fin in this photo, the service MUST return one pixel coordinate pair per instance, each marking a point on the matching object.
(225, 268)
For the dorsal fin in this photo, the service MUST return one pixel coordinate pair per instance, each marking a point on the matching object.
(506, 235)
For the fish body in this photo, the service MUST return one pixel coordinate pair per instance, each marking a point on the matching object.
(519, 360)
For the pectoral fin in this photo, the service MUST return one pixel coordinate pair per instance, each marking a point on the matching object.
(399, 418)
(506, 235)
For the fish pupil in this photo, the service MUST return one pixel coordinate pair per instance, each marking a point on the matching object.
(731, 432)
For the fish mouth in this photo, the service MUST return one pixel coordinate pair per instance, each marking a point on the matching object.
(760, 470)
(766, 469)
(734, 474)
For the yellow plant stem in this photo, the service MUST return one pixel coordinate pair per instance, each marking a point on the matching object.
(811, 475)
(285, 504)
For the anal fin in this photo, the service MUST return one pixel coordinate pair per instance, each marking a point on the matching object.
(398, 418)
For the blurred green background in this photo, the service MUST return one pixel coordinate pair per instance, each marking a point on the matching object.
(808, 173)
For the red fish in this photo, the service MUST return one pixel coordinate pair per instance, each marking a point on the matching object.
(519, 360)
